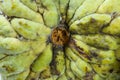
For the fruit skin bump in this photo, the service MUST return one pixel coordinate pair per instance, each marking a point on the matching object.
(60, 39)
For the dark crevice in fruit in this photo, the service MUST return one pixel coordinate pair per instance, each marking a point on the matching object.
(99, 6)
(63, 15)
(3, 57)
(26, 5)
(113, 16)
(43, 18)
(53, 62)
(67, 8)
(41, 6)
(98, 47)
(74, 13)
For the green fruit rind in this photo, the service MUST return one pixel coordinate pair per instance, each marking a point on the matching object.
(113, 28)
(9, 67)
(90, 24)
(28, 39)
(86, 8)
(117, 53)
(109, 6)
(50, 13)
(80, 64)
(97, 77)
(84, 54)
(83, 66)
(63, 8)
(62, 77)
(106, 64)
(16, 8)
(99, 41)
(13, 46)
(21, 76)
(31, 4)
(73, 5)
(70, 54)
(60, 62)
(30, 29)
(76, 71)
(5, 28)
(68, 71)
(43, 60)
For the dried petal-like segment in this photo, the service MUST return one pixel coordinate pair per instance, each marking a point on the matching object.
(88, 7)
(5, 28)
(49, 12)
(113, 28)
(72, 7)
(30, 29)
(90, 24)
(12, 46)
(30, 3)
(17, 9)
(109, 6)
(99, 41)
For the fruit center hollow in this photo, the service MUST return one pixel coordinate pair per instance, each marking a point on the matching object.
(60, 36)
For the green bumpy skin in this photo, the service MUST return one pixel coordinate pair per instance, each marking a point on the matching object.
(5, 28)
(29, 29)
(16, 8)
(49, 11)
(109, 6)
(41, 63)
(90, 24)
(113, 28)
(92, 53)
(86, 8)
(60, 62)
(99, 41)
(31, 4)
(13, 46)
(73, 5)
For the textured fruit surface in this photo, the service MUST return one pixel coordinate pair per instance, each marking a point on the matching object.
(60, 39)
